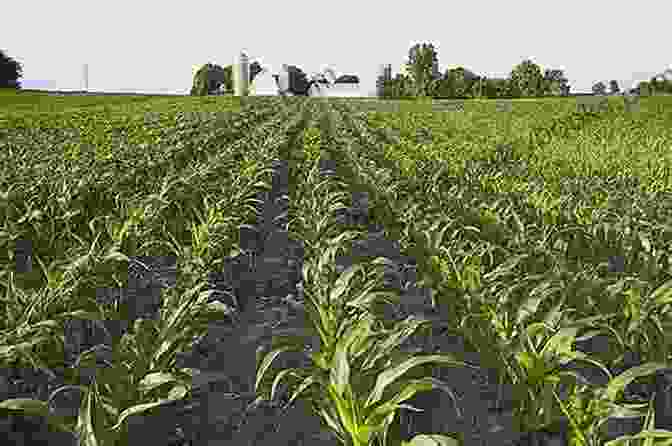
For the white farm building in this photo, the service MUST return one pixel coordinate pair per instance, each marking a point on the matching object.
(275, 82)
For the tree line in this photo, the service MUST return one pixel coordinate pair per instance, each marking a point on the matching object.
(422, 78)
(645, 88)
(10, 72)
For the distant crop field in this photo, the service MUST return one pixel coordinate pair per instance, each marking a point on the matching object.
(38, 102)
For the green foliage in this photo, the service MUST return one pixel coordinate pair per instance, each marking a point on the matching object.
(199, 87)
(660, 86)
(515, 244)
(555, 83)
(209, 78)
(527, 80)
(497, 88)
(458, 83)
(228, 78)
(423, 66)
(644, 88)
(399, 87)
(10, 72)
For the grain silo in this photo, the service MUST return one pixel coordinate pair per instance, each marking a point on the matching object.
(241, 75)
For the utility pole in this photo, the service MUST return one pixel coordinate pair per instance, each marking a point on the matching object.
(86, 77)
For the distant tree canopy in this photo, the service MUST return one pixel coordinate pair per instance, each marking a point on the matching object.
(347, 79)
(456, 83)
(10, 72)
(660, 85)
(644, 88)
(228, 78)
(401, 86)
(209, 78)
(423, 67)
(423, 79)
(496, 88)
(527, 80)
(555, 83)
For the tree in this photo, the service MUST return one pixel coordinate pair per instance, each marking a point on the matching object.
(423, 66)
(554, 82)
(613, 87)
(526, 80)
(10, 72)
(599, 88)
(208, 80)
(401, 86)
(434, 87)
(488, 89)
(228, 79)
(445, 88)
(658, 84)
(215, 78)
(199, 85)
(497, 88)
(644, 88)
(457, 83)
(482, 87)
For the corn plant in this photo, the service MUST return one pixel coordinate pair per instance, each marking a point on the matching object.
(352, 354)
(588, 409)
(512, 241)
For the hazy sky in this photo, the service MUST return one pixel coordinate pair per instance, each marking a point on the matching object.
(151, 46)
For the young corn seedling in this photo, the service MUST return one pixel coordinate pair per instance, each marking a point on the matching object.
(357, 374)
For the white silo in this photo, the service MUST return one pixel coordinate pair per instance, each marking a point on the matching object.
(241, 75)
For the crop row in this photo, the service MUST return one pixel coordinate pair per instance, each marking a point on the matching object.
(84, 223)
(524, 265)
(501, 264)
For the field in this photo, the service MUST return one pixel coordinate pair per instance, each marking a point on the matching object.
(357, 241)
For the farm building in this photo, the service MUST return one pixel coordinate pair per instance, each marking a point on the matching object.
(272, 82)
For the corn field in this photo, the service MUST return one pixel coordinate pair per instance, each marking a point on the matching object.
(358, 242)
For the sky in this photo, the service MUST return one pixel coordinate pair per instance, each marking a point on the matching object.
(153, 47)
